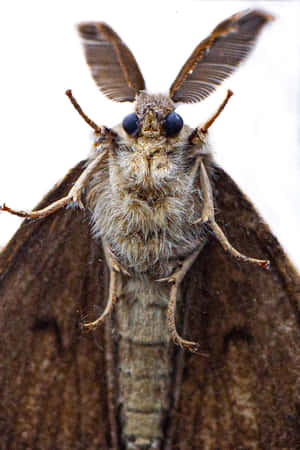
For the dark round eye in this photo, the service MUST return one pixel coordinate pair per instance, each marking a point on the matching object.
(173, 124)
(131, 124)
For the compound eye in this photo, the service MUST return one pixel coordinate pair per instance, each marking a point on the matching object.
(131, 124)
(173, 124)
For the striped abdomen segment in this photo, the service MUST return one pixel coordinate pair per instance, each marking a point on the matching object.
(144, 376)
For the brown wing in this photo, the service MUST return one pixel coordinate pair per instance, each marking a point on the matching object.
(246, 395)
(112, 64)
(54, 391)
(215, 58)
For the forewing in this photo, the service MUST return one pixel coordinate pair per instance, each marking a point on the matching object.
(246, 394)
(53, 377)
(215, 58)
(112, 64)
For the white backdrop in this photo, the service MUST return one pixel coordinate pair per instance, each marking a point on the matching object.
(256, 138)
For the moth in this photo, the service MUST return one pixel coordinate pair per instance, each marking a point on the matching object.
(173, 254)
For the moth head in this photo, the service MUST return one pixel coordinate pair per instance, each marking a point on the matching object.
(118, 75)
(154, 117)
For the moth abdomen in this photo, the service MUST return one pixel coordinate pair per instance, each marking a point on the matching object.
(144, 362)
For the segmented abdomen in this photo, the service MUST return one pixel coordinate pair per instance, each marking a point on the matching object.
(144, 376)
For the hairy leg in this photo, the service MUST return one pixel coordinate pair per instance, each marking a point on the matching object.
(208, 216)
(114, 270)
(176, 279)
(73, 196)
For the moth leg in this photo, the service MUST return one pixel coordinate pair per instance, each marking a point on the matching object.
(176, 278)
(115, 269)
(208, 216)
(112, 299)
(113, 262)
(74, 194)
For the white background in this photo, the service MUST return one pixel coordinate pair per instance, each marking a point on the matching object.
(256, 139)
